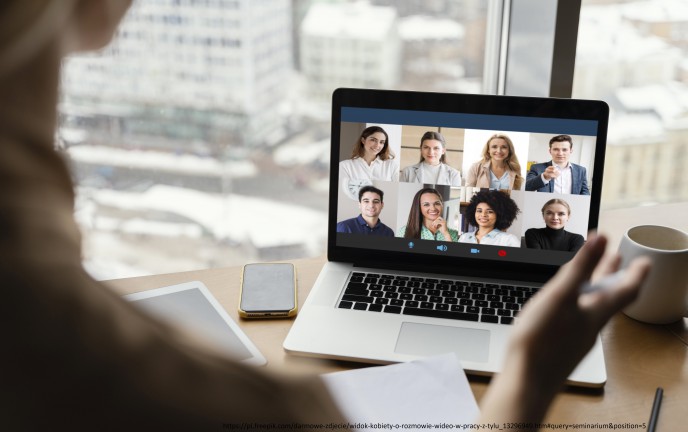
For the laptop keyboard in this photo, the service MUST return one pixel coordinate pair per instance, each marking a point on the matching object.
(436, 298)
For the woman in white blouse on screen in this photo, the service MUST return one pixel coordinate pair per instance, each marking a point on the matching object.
(371, 159)
(432, 167)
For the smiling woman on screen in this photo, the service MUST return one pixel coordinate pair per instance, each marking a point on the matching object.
(371, 159)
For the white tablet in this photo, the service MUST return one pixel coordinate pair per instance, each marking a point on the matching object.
(191, 306)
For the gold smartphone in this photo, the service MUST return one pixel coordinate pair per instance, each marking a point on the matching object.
(268, 290)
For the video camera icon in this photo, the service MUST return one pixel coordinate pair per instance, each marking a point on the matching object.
(442, 248)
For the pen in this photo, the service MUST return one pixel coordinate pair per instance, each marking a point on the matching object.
(655, 410)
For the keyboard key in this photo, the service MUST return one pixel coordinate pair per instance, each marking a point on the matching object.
(413, 284)
(358, 274)
(403, 290)
(478, 296)
(375, 287)
(434, 292)
(391, 295)
(497, 305)
(472, 309)
(361, 306)
(441, 306)
(396, 302)
(406, 296)
(427, 305)
(448, 294)
(512, 306)
(440, 314)
(356, 279)
(402, 278)
(451, 301)
(412, 303)
(489, 311)
(421, 298)
(417, 279)
(356, 285)
(356, 291)
(389, 289)
(433, 281)
(507, 320)
(373, 275)
(456, 308)
(375, 308)
(377, 294)
(345, 305)
(435, 299)
(358, 298)
(490, 319)
(504, 312)
(482, 303)
(370, 280)
(466, 302)
(392, 309)
(418, 291)
(382, 301)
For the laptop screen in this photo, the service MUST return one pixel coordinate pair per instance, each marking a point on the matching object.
(449, 181)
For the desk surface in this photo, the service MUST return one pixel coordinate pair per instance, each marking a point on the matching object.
(639, 357)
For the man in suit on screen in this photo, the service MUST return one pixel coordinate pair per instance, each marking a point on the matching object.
(558, 175)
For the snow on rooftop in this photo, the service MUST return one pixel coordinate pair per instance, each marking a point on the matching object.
(302, 154)
(668, 100)
(604, 36)
(260, 221)
(358, 20)
(429, 28)
(629, 129)
(656, 11)
(161, 161)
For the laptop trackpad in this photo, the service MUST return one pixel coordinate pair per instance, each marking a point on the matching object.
(428, 340)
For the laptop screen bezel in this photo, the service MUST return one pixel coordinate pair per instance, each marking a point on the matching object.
(537, 107)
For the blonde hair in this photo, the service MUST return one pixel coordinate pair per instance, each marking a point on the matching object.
(511, 160)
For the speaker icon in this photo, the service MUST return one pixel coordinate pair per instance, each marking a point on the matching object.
(442, 248)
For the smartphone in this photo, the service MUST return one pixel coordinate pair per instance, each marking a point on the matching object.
(268, 291)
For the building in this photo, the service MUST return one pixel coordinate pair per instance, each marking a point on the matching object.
(189, 74)
(350, 45)
(646, 159)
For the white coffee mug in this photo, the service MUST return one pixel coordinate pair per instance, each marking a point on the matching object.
(662, 297)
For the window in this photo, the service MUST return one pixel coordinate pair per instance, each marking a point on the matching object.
(197, 145)
(632, 55)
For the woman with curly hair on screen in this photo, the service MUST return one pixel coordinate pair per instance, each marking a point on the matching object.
(492, 212)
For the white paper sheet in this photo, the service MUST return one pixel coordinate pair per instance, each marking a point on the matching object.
(432, 391)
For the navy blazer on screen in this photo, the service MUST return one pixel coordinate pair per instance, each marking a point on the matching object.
(579, 179)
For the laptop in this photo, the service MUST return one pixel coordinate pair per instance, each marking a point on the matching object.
(386, 299)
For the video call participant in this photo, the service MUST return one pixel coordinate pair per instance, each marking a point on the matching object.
(425, 219)
(371, 159)
(499, 167)
(558, 175)
(492, 212)
(553, 236)
(368, 222)
(432, 167)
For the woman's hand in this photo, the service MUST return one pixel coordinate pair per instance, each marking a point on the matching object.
(440, 225)
(555, 331)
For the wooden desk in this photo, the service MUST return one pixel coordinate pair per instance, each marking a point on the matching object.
(639, 357)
